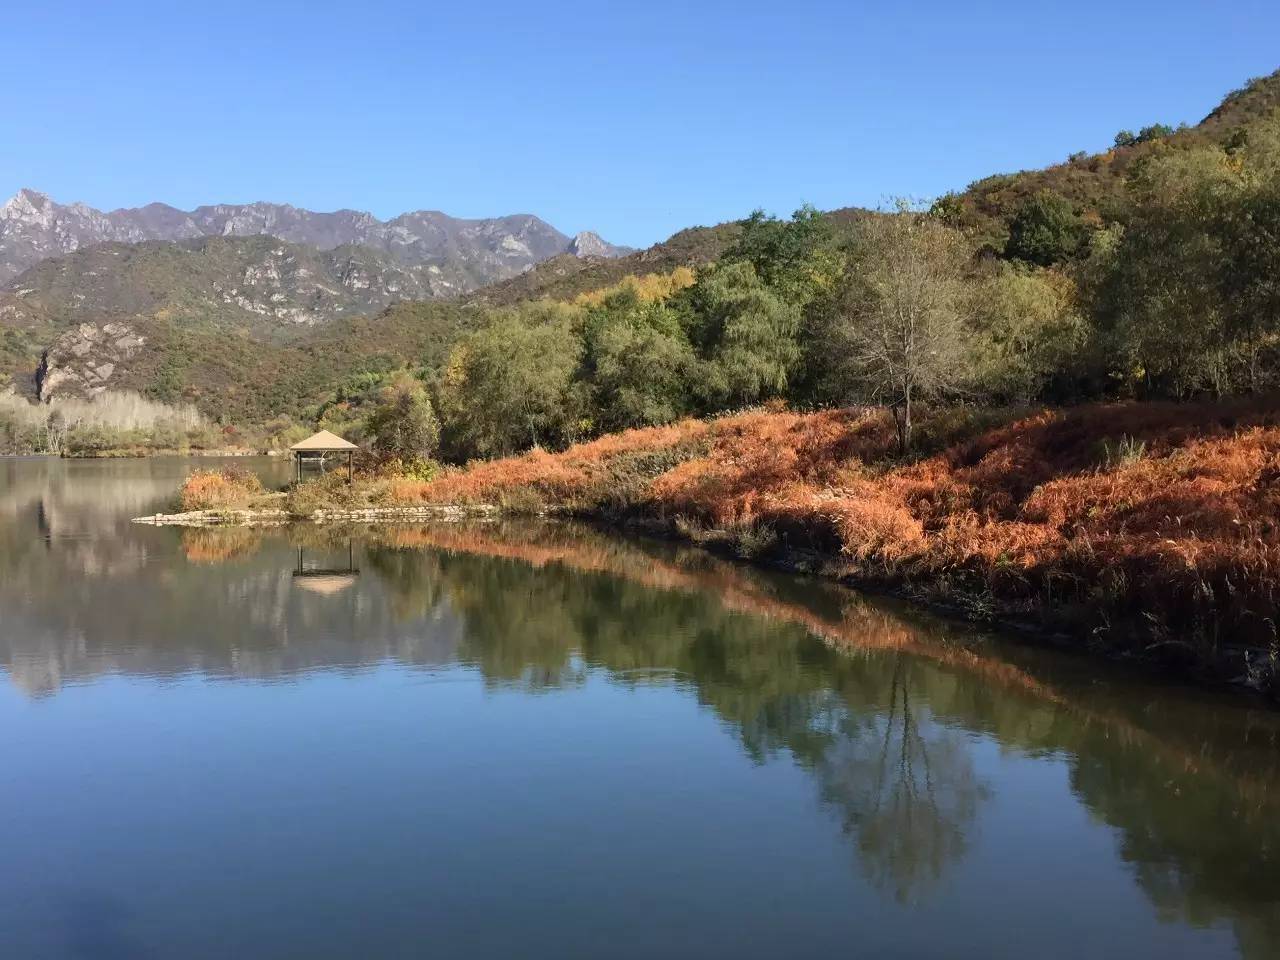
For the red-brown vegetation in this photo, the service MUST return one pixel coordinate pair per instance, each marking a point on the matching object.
(216, 489)
(1162, 515)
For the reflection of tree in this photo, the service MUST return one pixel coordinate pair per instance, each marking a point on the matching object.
(411, 579)
(519, 630)
(1190, 873)
(906, 789)
(882, 733)
(904, 786)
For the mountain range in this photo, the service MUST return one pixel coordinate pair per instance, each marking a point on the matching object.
(264, 271)
(454, 255)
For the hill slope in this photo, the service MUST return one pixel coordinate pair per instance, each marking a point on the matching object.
(1095, 183)
(210, 278)
(236, 323)
(234, 376)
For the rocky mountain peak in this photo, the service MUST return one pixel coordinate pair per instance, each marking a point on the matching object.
(467, 253)
(25, 204)
(588, 243)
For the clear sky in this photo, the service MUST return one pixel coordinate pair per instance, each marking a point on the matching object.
(631, 119)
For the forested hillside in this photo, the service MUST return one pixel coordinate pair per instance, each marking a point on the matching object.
(1080, 283)
(1143, 272)
(1095, 184)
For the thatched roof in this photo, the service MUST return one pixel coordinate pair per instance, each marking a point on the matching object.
(323, 441)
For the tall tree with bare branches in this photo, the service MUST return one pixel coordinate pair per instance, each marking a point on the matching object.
(900, 332)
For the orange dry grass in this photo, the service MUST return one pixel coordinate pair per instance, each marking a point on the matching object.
(1182, 533)
(213, 489)
(557, 477)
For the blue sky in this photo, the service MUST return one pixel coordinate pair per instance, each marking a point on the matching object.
(630, 119)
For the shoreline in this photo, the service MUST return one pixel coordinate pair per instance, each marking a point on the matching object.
(1231, 668)
(275, 517)
(1240, 669)
(125, 453)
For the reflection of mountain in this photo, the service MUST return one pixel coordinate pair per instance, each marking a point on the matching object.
(85, 507)
(882, 712)
(251, 622)
(84, 592)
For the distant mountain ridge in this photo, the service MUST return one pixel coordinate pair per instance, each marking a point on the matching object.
(253, 281)
(459, 255)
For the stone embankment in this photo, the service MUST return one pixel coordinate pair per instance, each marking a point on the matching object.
(276, 517)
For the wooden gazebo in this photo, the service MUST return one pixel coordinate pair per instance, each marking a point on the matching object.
(318, 446)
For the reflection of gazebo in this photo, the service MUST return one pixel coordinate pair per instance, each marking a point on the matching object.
(318, 446)
(326, 580)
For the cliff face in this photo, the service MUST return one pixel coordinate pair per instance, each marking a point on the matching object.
(82, 362)
(590, 244)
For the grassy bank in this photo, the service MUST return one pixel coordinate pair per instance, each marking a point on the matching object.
(1144, 528)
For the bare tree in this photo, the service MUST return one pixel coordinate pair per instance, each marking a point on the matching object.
(901, 331)
(55, 432)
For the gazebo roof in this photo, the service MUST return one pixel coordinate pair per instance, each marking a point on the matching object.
(325, 583)
(322, 442)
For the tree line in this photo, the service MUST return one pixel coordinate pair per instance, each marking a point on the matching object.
(1172, 296)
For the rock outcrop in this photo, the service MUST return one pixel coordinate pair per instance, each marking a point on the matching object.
(589, 244)
(82, 361)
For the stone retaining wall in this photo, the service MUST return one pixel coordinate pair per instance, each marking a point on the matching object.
(263, 518)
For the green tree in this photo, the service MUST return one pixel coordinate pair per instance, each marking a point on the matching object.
(745, 334)
(794, 258)
(1188, 302)
(1027, 329)
(1155, 131)
(639, 361)
(1045, 230)
(948, 209)
(508, 385)
(403, 425)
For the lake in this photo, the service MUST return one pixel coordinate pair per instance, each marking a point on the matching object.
(523, 740)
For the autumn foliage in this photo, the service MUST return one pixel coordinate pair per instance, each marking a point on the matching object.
(647, 288)
(1162, 515)
(215, 489)
(215, 545)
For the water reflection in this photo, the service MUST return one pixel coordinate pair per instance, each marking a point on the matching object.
(326, 580)
(888, 713)
(905, 789)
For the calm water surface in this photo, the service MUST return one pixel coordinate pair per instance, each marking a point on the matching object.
(515, 741)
